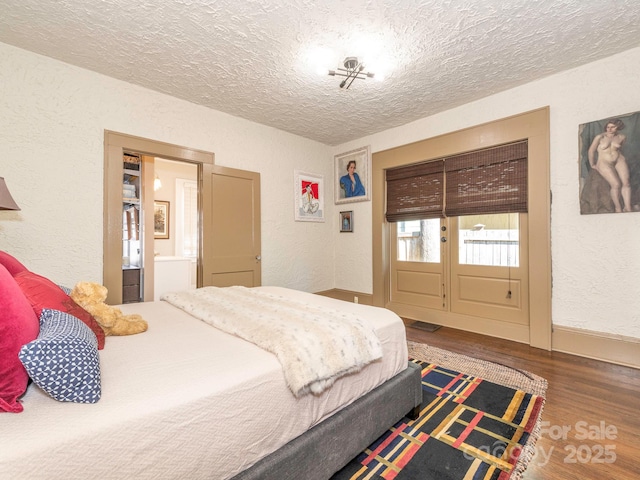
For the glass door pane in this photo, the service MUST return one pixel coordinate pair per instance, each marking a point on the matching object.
(419, 241)
(491, 240)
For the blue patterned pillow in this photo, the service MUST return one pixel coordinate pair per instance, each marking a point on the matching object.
(63, 360)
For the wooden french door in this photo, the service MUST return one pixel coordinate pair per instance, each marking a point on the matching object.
(418, 259)
(489, 267)
(455, 271)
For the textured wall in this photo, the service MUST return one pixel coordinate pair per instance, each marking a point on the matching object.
(168, 171)
(595, 258)
(52, 119)
(52, 122)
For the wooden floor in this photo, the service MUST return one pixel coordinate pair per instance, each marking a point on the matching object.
(591, 417)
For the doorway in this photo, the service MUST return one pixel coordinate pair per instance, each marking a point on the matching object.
(228, 225)
(176, 225)
(116, 145)
(448, 269)
(531, 126)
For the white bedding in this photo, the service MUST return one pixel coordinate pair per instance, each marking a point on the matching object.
(314, 345)
(183, 400)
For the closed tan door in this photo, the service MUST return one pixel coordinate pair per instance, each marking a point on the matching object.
(232, 242)
(489, 267)
(417, 265)
(468, 272)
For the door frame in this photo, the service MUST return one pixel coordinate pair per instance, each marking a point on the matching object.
(534, 126)
(115, 144)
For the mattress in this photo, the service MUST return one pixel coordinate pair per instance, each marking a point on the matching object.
(183, 400)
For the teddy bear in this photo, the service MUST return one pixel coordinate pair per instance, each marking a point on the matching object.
(92, 296)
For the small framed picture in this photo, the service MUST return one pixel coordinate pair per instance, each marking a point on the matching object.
(346, 221)
(160, 219)
(352, 176)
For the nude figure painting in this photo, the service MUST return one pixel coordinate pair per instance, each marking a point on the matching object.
(610, 165)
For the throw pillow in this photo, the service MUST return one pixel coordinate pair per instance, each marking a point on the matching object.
(43, 293)
(11, 264)
(63, 360)
(18, 325)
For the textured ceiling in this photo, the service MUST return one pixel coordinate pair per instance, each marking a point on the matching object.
(251, 58)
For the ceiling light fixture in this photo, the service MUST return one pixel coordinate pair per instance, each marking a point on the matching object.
(352, 69)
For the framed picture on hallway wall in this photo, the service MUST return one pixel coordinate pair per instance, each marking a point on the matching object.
(160, 219)
(308, 197)
(610, 164)
(352, 181)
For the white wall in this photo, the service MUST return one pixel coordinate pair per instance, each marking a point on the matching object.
(168, 172)
(595, 258)
(52, 122)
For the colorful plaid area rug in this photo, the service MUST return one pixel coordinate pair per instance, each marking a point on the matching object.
(469, 428)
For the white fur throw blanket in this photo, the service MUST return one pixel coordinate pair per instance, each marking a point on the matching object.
(314, 345)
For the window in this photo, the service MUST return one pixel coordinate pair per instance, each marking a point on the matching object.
(419, 241)
(492, 240)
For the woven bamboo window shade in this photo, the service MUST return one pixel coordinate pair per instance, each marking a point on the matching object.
(493, 180)
(415, 191)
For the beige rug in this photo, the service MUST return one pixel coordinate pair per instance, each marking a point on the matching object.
(492, 372)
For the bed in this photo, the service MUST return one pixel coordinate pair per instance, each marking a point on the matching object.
(186, 400)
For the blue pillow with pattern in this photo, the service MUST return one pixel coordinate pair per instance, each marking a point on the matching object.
(63, 361)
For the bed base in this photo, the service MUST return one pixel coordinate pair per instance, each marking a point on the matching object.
(330, 445)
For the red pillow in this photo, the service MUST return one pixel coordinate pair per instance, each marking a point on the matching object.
(18, 325)
(11, 264)
(43, 293)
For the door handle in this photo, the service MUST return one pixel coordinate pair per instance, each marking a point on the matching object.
(258, 258)
(443, 239)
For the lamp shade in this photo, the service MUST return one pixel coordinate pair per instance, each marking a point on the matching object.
(6, 200)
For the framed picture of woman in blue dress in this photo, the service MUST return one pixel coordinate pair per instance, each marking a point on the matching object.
(353, 176)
